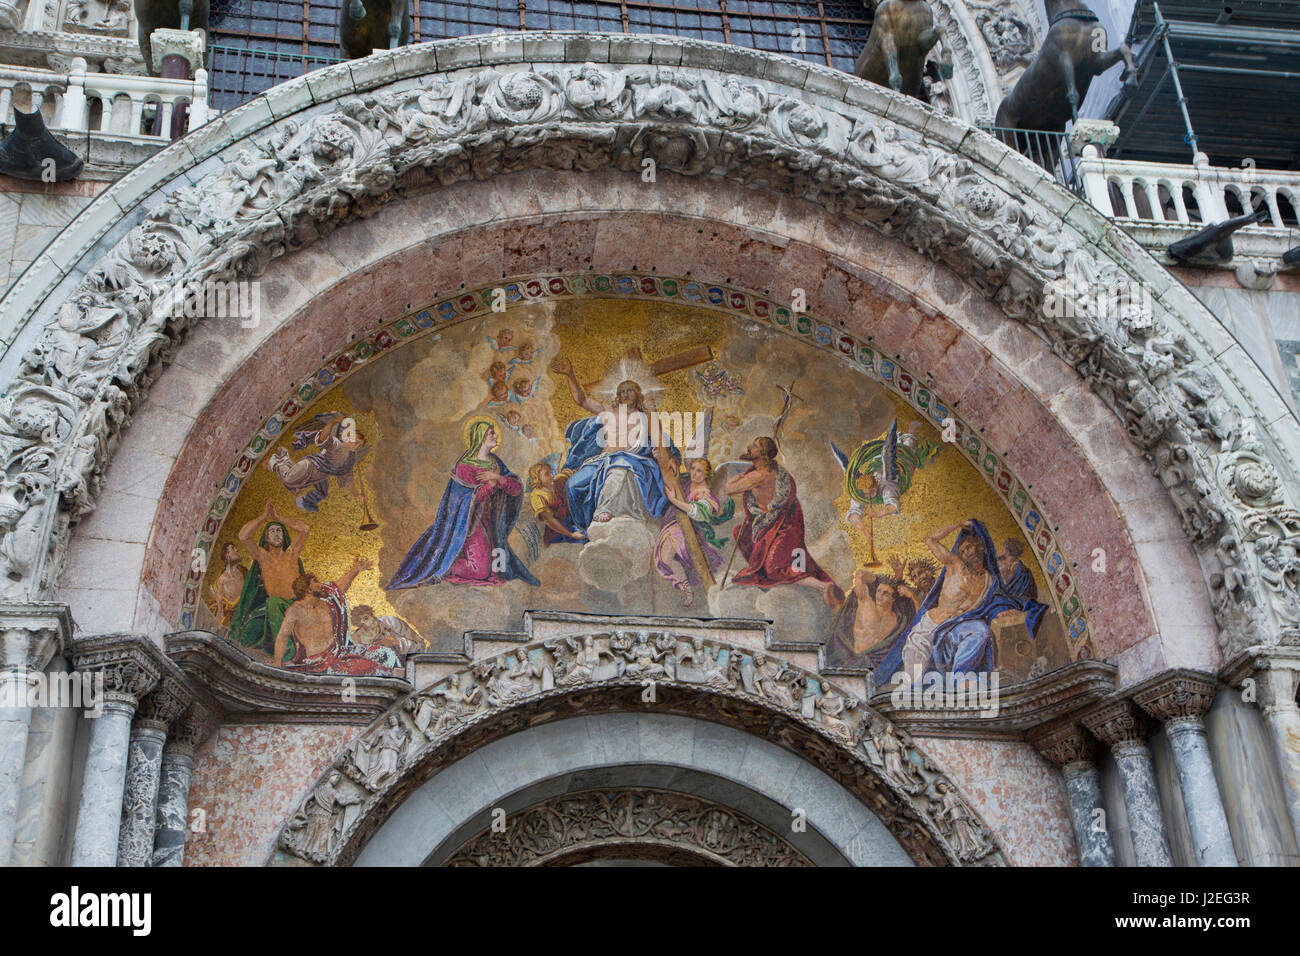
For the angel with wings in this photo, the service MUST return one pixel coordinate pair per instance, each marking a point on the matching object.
(701, 503)
(879, 473)
(341, 448)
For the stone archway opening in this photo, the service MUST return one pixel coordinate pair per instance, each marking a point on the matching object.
(667, 787)
(414, 780)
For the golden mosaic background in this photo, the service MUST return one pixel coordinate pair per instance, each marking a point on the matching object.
(411, 404)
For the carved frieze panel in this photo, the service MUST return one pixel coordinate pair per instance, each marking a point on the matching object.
(607, 670)
(628, 823)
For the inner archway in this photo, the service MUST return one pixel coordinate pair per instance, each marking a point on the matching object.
(640, 784)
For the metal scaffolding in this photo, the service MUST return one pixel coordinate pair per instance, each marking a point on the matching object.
(1215, 79)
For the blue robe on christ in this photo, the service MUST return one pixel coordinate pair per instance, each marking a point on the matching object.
(964, 644)
(590, 469)
(431, 558)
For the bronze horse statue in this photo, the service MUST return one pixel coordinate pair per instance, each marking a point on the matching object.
(902, 33)
(30, 152)
(153, 15)
(365, 27)
(1213, 246)
(1049, 92)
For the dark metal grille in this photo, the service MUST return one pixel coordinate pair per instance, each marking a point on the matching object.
(258, 43)
(1046, 148)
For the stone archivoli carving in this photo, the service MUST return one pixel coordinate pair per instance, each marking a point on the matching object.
(910, 789)
(1009, 35)
(1266, 548)
(316, 827)
(962, 51)
(110, 17)
(377, 760)
(60, 417)
(608, 820)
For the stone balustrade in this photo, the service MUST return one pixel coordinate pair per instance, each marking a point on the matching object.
(1160, 203)
(109, 104)
(41, 87)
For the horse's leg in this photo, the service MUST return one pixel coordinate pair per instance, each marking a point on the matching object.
(1108, 59)
(1066, 64)
(1007, 118)
(929, 38)
(186, 9)
(1130, 68)
(395, 24)
(891, 54)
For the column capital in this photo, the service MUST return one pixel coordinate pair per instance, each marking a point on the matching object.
(189, 732)
(1101, 133)
(32, 633)
(1179, 696)
(163, 707)
(1117, 724)
(130, 670)
(1067, 745)
(164, 42)
(1275, 670)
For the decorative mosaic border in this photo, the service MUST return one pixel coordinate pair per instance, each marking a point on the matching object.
(473, 305)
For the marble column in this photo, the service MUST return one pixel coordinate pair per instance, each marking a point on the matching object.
(144, 769)
(174, 788)
(30, 635)
(1179, 699)
(1119, 725)
(15, 719)
(1277, 703)
(177, 54)
(129, 674)
(1070, 748)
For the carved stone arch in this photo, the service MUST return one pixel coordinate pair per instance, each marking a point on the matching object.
(288, 167)
(977, 89)
(662, 826)
(595, 672)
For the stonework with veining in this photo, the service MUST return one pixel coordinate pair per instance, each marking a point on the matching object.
(244, 785)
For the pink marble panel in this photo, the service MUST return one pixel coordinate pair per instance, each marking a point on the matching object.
(1018, 793)
(247, 781)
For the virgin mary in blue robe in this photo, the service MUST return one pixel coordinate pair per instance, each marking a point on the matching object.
(964, 644)
(472, 528)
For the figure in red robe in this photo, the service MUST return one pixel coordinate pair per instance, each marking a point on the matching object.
(771, 539)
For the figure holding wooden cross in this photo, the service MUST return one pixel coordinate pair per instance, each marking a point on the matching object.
(616, 471)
